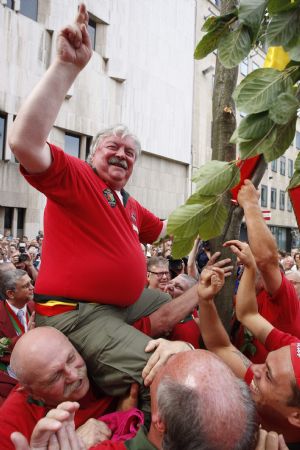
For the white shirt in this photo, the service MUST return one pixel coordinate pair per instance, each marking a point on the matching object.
(16, 310)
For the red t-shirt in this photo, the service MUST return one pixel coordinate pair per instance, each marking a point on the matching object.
(282, 310)
(20, 413)
(91, 249)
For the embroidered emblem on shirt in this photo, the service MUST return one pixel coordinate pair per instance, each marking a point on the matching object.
(110, 197)
(133, 217)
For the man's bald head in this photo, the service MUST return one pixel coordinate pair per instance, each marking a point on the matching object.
(203, 405)
(49, 367)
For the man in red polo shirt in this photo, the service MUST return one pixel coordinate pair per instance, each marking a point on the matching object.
(97, 293)
(275, 384)
(276, 296)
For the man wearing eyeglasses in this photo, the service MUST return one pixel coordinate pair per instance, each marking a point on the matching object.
(158, 275)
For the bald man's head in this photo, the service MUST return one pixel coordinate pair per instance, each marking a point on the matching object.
(49, 367)
(202, 404)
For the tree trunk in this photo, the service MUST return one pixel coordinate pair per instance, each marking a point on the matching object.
(223, 125)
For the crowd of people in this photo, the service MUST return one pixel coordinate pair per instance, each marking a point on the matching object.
(119, 345)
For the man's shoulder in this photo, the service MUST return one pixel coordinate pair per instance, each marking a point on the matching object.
(18, 414)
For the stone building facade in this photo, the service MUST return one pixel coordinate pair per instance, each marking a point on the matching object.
(142, 73)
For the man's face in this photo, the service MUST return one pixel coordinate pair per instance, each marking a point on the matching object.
(63, 378)
(271, 384)
(177, 286)
(23, 292)
(288, 263)
(158, 277)
(114, 160)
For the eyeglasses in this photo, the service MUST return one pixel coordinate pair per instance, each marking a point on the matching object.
(160, 274)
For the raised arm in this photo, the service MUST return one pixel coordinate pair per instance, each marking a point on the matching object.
(261, 241)
(192, 269)
(213, 332)
(246, 304)
(167, 316)
(36, 117)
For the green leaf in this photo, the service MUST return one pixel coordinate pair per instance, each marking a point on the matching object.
(186, 219)
(254, 126)
(284, 137)
(282, 28)
(258, 146)
(182, 247)
(210, 41)
(213, 223)
(234, 47)
(259, 90)
(284, 108)
(297, 163)
(293, 48)
(279, 6)
(215, 177)
(215, 21)
(295, 180)
(251, 13)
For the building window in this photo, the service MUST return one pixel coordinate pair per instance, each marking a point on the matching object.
(72, 144)
(273, 198)
(92, 32)
(264, 195)
(298, 140)
(20, 222)
(244, 67)
(282, 165)
(89, 140)
(274, 165)
(280, 235)
(2, 135)
(255, 66)
(8, 219)
(217, 3)
(289, 204)
(282, 200)
(28, 8)
(290, 168)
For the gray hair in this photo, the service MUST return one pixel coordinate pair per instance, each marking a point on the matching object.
(8, 280)
(191, 281)
(115, 130)
(190, 420)
(157, 261)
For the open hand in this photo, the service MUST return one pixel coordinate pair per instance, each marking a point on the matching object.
(242, 251)
(163, 350)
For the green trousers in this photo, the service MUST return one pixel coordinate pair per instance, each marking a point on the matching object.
(113, 350)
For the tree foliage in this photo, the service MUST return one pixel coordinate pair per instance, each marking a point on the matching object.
(270, 98)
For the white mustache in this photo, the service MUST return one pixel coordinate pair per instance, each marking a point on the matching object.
(69, 388)
(118, 162)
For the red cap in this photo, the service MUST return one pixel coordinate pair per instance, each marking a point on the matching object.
(295, 355)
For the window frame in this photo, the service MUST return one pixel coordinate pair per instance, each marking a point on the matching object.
(273, 203)
(73, 135)
(282, 165)
(282, 203)
(264, 201)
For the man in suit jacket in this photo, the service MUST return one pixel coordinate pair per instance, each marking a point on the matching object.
(16, 318)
